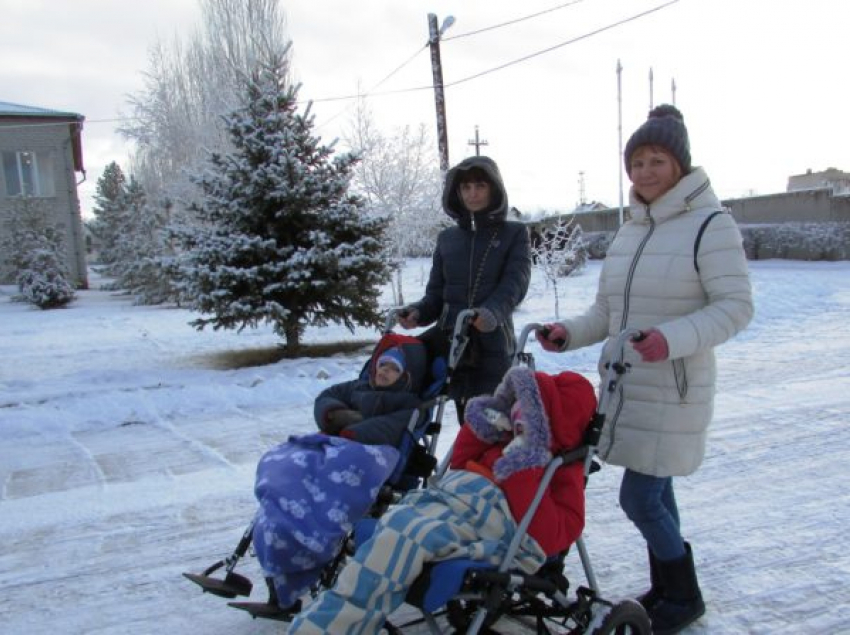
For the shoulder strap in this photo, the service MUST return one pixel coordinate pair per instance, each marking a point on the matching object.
(700, 233)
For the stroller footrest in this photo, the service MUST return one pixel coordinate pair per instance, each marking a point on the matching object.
(268, 610)
(532, 582)
(230, 586)
(440, 582)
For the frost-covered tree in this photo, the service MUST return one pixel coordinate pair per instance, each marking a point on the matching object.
(176, 120)
(399, 177)
(108, 211)
(148, 271)
(560, 252)
(36, 249)
(284, 241)
(134, 247)
(43, 281)
(141, 252)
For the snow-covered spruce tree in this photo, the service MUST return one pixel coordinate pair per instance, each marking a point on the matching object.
(284, 242)
(140, 250)
(43, 281)
(561, 251)
(36, 250)
(108, 211)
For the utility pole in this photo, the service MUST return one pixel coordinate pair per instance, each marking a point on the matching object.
(650, 88)
(477, 143)
(439, 96)
(581, 198)
(673, 90)
(620, 134)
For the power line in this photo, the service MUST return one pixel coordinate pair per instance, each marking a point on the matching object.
(511, 63)
(445, 39)
(371, 90)
(562, 44)
(463, 80)
(510, 22)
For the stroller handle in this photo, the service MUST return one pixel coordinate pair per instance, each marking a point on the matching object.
(392, 317)
(520, 355)
(460, 336)
(616, 367)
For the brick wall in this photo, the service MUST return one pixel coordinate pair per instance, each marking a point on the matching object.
(64, 207)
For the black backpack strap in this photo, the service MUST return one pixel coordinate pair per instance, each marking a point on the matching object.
(700, 233)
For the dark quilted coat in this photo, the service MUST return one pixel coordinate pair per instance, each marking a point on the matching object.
(484, 263)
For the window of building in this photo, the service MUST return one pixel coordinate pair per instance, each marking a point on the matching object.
(29, 173)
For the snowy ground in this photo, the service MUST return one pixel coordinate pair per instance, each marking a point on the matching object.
(127, 453)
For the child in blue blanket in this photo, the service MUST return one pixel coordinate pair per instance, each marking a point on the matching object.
(312, 488)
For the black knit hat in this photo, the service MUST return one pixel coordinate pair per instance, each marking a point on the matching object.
(665, 127)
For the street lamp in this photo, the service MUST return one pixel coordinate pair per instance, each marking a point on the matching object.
(434, 35)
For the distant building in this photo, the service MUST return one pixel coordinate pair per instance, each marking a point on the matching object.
(592, 206)
(832, 178)
(41, 153)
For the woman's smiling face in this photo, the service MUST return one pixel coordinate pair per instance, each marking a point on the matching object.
(653, 171)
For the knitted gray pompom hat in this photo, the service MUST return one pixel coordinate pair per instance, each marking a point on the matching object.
(665, 127)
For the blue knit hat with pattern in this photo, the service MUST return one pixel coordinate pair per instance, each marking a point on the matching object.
(665, 128)
(392, 356)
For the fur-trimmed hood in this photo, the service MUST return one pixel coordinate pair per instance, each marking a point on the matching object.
(548, 402)
(555, 411)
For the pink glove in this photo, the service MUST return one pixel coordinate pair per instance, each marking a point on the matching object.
(408, 318)
(652, 346)
(552, 337)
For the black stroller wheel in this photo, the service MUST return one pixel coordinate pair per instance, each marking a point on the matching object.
(390, 629)
(625, 618)
(459, 614)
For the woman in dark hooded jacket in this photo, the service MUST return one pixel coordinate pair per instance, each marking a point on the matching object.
(484, 264)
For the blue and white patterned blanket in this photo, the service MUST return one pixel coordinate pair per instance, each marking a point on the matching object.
(312, 489)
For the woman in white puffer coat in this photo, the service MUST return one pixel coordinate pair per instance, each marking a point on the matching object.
(676, 271)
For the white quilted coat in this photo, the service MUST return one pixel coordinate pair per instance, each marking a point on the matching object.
(657, 425)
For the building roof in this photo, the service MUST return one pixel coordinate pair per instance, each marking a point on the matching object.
(20, 110)
(12, 114)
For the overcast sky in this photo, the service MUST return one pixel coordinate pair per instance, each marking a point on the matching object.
(762, 84)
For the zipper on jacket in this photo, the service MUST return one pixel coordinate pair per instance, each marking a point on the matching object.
(627, 290)
(613, 422)
(469, 289)
(630, 278)
(690, 197)
(680, 372)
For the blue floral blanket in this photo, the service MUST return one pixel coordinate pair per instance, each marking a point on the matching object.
(312, 489)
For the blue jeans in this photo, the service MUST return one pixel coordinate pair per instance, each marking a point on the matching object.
(650, 504)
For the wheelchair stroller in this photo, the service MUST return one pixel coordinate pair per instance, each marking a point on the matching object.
(416, 463)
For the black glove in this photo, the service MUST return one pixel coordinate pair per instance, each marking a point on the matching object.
(339, 420)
